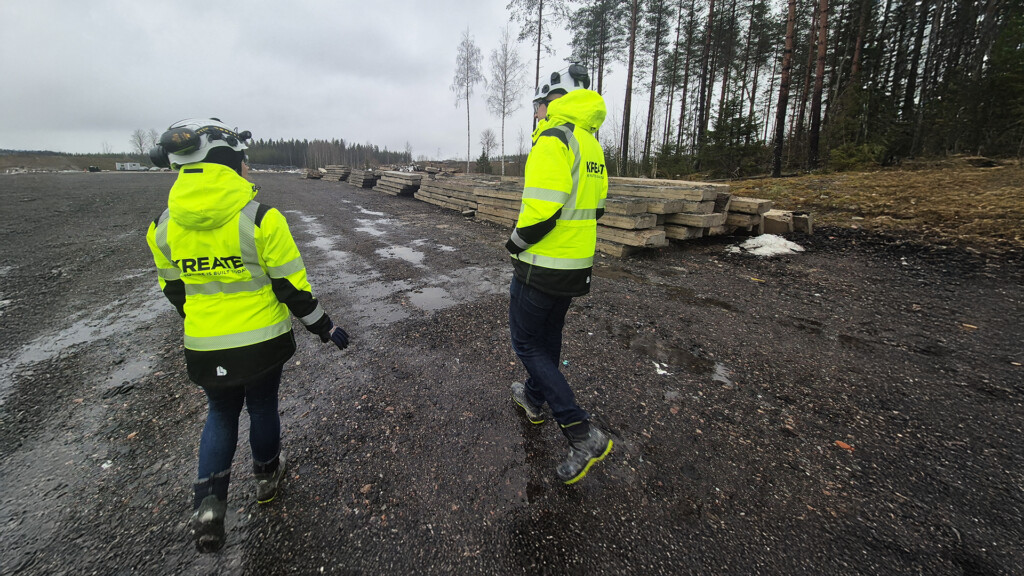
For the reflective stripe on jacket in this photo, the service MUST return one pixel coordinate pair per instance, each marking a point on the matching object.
(564, 194)
(231, 268)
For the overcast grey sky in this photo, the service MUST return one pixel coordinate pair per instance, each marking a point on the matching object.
(75, 76)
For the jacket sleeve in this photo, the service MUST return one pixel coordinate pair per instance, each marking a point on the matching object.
(280, 255)
(167, 273)
(546, 189)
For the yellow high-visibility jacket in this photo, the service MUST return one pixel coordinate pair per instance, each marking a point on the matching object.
(231, 268)
(564, 194)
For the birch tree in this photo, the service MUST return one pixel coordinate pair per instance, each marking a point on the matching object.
(505, 91)
(467, 75)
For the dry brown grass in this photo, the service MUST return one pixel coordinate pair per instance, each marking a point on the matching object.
(955, 203)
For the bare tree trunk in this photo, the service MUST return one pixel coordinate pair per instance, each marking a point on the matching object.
(813, 144)
(633, 20)
(702, 103)
(780, 114)
(798, 119)
(645, 161)
(536, 77)
(686, 78)
(915, 62)
(771, 90)
(672, 81)
(929, 65)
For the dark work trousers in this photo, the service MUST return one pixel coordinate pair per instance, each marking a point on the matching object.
(220, 434)
(535, 321)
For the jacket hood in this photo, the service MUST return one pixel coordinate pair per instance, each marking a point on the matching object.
(584, 108)
(208, 198)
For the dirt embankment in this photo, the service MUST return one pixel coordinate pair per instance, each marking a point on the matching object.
(955, 202)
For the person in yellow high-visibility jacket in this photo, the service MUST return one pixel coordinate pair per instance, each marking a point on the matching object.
(552, 250)
(231, 268)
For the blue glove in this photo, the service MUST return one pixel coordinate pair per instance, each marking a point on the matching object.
(337, 335)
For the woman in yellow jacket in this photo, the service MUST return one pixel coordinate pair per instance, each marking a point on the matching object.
(231, 268)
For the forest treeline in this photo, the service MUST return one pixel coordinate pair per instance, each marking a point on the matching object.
(738, 87)
(320, 153)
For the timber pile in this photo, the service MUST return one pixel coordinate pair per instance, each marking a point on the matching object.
(398, 183)
(314, 174)
(639, 213)
(499, 202)
(363, 178)
(451, 193)
(336, 172)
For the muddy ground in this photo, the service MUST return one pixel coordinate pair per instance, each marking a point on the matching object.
(856, 408)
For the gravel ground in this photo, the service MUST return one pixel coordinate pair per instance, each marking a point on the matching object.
(855, 408)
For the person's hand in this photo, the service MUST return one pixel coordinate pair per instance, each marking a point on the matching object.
(337, 335)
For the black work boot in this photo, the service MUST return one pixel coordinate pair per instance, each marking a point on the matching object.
(533, 412)
(587, 444)
(210, 505)
(268, 482)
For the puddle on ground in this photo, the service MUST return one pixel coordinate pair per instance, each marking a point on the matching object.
(371, 227)
(117, 318)
(411, 256)
(674, 357)
(431, 298)
(368, 212)
(128, 371)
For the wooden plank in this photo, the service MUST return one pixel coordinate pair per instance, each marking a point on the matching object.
(778, 222)
(467, 196)
(741, 219)
(719, 230)
(499, 212)
(634, 222)
(683, 232)
(504, 193)
(750, 205)
(697, 195)
(696, 220)
(625, 205)
(722, 202)
(662, 205)
(439, 200)
(499, 203)
(802, 222)
(648, 237)
(495, 219)
(616, 249)
(663, 183)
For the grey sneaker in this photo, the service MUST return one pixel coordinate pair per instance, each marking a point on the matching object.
(208, 524)
(267, 484)
(583, 453)
(533, 412)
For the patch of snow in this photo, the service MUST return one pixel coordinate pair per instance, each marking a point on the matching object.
(766, 245)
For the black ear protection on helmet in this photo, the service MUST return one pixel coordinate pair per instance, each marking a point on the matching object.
(186, 141)
(578, 73)
(174, 141)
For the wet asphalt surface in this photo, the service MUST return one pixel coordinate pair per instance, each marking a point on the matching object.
(853, 409)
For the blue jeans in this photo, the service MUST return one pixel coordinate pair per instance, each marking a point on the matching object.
(535, 321)
(220, 434)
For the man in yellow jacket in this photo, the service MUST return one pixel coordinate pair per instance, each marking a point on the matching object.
(552, 250)
(231, 269)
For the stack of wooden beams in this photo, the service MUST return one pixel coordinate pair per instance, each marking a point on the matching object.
(643, 213)
(451, 193)
(363, 178)
(747, 214)
(336, 172)
(399, 183)
(499, 203)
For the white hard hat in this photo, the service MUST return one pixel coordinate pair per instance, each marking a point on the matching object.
(189, 141)
(574, 77)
